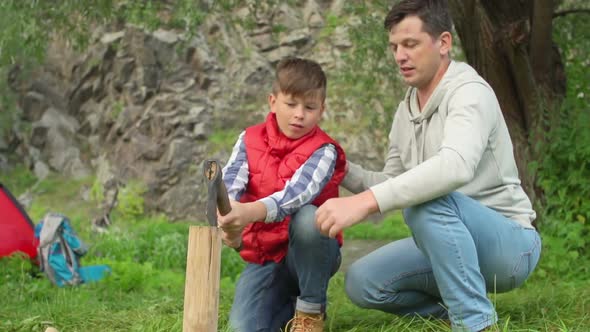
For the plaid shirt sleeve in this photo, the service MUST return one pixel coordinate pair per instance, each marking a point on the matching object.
(235, 172)
(305, 185)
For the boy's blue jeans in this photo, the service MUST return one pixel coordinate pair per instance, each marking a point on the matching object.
(266, 295)
(460, 250)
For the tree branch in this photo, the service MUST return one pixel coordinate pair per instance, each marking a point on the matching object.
(571, 11)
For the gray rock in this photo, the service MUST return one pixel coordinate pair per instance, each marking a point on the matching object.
(33, 105)
(167, 36)
(138, 105)
(108, 38)
(41, 170)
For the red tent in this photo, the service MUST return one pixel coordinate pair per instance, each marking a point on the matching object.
(17, 231)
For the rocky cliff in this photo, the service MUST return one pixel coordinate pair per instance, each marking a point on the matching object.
(152, 105)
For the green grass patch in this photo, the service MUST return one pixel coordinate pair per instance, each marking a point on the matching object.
(224, 139)
(145, 292)
(391, 228)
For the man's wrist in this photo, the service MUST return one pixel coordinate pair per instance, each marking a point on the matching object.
(368, 202)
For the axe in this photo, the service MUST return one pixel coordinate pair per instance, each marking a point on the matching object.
(203, 259)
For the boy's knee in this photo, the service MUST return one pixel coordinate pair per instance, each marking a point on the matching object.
(303, 223)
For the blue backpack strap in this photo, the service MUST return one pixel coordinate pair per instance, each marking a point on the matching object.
(58, 258)
(48, 235)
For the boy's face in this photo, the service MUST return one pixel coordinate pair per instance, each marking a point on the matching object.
(296, 116)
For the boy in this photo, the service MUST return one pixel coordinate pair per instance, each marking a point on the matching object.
(279, 172)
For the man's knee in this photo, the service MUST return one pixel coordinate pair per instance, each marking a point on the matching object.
(419, 217)
(364, 292)
(355, 285)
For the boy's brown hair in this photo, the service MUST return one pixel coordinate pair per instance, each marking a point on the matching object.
(300, 78)
(433, 13)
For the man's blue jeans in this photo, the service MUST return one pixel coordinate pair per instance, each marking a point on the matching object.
(460, 250)
(266, 295)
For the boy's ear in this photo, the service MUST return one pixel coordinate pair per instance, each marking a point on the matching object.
(272, 100)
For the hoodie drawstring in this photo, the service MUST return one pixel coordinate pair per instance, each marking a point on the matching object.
(418, 154)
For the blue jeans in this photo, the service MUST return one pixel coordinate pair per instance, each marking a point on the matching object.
(460, 250)
(267, 295)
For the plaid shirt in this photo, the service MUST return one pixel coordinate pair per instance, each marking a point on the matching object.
(305, 185)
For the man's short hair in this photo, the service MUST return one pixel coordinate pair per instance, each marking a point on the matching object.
(300, 78)
(433, 13)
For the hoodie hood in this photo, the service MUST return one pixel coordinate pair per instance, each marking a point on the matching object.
(457, 74)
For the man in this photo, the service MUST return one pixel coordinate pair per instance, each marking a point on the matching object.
(451, 168)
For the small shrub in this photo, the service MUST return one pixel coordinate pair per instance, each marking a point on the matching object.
(130, 200)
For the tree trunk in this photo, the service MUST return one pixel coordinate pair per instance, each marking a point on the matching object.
(509, 43)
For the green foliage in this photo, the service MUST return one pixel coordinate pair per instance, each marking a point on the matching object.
(96, 191)
(564, 176)
(26, 26)
(130, 200)
(563, 172)
(116, 109)
(278, 28)
(7, 103)
(231, 264)
(17, 180)
(226, 5)
(332, 22)
(369, 74)
(224, 139)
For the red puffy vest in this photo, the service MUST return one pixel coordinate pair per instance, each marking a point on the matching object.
(273, 158)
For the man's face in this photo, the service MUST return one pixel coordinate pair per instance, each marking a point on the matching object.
(296, 116)
(417, 54)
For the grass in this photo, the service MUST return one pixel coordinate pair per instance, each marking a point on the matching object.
(148, 258)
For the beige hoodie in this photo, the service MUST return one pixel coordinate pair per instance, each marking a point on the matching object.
(459, 142)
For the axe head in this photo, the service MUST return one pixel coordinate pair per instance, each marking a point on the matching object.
(212, 174)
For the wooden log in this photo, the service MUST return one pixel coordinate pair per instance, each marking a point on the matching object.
(201, 291)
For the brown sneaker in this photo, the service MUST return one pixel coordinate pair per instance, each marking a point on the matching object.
(304, 322)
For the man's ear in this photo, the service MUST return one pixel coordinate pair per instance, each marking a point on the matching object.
(272, 100)
(445, 41)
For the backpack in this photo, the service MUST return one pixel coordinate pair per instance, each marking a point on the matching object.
(60, 250)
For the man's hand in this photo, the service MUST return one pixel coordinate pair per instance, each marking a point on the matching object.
(336, 214)
(240, 216)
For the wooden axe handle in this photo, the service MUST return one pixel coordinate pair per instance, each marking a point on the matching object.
(223, 204)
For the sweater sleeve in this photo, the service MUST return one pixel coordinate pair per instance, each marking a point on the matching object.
(470, 121)
(359, 179)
